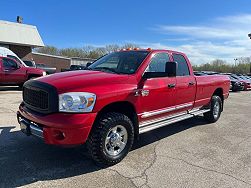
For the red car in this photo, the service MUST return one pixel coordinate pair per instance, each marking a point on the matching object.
(121, 95)
(245, 81)
(13, 72)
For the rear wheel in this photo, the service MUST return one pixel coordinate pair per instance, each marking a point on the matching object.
(111, 139)
(215, 110)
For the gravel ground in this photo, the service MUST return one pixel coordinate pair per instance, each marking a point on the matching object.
(186, 154)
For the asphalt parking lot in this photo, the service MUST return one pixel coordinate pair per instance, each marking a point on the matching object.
(187, 154)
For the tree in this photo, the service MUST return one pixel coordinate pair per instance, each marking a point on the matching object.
(48, 50)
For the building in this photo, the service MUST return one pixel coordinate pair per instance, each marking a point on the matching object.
(19, 38)
(59, 62)
(22, 39)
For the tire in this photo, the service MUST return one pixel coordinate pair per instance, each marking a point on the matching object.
(111, 139)
(215, 110)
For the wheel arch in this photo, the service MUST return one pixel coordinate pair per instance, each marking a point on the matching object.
(124, 107)
(33, 75)
(219, 92)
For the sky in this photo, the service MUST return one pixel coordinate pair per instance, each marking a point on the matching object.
(204, 30)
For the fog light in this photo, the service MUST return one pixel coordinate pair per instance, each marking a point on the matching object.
(59, 135)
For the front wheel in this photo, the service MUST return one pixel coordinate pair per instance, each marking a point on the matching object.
(111, 139)
(215, 110)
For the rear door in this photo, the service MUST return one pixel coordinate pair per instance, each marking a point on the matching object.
(157, 98)
(13, 72)
(185, 84)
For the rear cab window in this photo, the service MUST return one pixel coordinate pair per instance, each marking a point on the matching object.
(183, 68)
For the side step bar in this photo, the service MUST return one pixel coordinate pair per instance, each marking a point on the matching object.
(155, 124)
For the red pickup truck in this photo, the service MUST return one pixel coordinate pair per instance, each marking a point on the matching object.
(13, 72)
(120, 96)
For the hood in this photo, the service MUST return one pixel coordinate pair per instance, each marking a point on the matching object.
(81, 80)
(33, 70)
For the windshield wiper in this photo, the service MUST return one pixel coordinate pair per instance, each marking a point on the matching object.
(105, 69)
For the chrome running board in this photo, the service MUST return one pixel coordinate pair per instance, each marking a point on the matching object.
(157, 123)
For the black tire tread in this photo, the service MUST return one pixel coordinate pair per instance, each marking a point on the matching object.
(209, 115)
(101, 127)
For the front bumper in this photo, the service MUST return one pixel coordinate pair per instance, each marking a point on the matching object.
(237, 87)
(57, 128)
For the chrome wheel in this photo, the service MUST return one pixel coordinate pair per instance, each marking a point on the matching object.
(116, 140)
(216, 109)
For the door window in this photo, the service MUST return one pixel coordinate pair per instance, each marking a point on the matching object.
(158, 63)
(9, 64)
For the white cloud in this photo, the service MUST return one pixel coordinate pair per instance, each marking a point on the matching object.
(224, 38)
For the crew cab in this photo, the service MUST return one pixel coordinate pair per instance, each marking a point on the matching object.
(121, 95)
(13, 72)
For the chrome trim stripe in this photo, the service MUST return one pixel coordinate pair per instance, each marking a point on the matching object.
(145, 123)
(170, 109)
(164, 123)
(195, 109)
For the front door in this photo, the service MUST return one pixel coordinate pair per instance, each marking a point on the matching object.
(13, 73)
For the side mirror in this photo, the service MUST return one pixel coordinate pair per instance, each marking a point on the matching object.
(171, 68)
(170, 71)
(88, 64)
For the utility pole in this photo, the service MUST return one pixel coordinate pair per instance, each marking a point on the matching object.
(249, 35)
(235, 59)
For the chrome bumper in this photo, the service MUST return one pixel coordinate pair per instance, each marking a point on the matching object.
(30, 128)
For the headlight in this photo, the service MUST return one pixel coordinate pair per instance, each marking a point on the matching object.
(44, 73)
(76, 102)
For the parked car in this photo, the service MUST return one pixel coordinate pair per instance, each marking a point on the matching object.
(199, 73)
(209, 72)
(121, 95)
(13, 72)
(246, 82)
(5, 52)
(236, 85)
(75, 67)
(48, 70)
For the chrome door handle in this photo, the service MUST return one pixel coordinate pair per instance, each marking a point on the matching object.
(6, 70)
(171, 85)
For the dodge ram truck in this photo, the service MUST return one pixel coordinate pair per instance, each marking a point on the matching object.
(13, 72)
(120, 96)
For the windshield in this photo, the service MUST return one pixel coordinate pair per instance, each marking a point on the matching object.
(29, 63)
(232, 78)
(124, 62)
(17, 59)
(236, 77)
